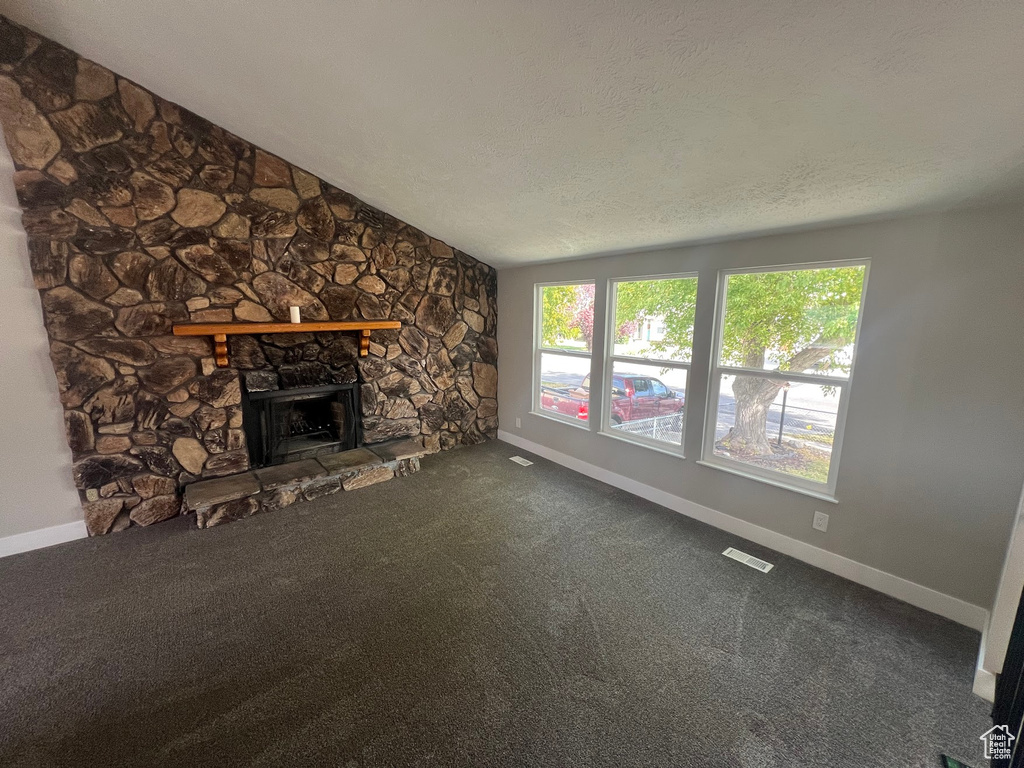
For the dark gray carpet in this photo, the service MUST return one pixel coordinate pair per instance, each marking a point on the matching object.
(475, 614)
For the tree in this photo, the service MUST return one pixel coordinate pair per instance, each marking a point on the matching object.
(583, 312)
(557, 302)
(798, 320)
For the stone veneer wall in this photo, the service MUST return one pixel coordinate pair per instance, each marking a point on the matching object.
(140, 215)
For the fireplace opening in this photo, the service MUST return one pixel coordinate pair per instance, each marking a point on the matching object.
(292, 424)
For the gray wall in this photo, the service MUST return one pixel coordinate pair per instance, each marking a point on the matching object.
(35, 462)
(934, 447)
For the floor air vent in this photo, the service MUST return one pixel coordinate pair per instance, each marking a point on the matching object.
(521, 461)
(750, 560)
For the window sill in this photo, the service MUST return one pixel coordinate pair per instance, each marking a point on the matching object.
(820, 495)
(577, 423)
(667, 449)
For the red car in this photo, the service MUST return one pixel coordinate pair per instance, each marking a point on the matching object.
(633, 398)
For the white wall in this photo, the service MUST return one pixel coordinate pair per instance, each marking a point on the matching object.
(36, 490)
(933, 456)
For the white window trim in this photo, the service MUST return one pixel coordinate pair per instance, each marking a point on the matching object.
(825, 491)
(610, 358)
(539, 349)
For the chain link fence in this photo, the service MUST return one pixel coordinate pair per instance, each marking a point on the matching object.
(667, 429)
(811, 424)
(786, 422)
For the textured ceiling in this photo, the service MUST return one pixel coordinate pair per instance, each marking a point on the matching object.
(539, 130)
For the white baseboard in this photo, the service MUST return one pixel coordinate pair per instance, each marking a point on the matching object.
(985, 678)
(931, 600)
(984, 684)
(44, 537)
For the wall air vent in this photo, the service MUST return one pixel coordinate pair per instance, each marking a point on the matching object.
(750, 560)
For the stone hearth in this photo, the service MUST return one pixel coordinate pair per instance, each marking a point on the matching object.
(141, 214)
(263, 490)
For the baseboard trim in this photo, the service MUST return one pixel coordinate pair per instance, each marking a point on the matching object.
(985, 684)
(43, 537)
(953, 608)
(984, 678)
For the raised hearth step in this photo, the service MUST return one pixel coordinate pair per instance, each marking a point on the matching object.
(224, 499)
(348, 461)
(292, 473)
(367, 477)
(398, 449)
(221, 489)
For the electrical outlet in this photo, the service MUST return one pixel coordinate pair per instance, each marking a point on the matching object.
(820, 521)
(519, 423)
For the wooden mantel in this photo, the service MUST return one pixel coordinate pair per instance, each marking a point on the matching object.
(221, 331)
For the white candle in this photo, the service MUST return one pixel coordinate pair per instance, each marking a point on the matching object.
(296, 318)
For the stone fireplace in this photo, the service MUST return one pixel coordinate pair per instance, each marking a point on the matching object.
(141, 215)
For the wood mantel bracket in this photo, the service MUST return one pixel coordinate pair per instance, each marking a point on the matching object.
(221, 331)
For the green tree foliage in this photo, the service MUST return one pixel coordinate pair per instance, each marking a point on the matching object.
(557, 314)
(673, 300)
(799, 319)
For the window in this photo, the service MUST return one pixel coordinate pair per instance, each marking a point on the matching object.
(650, 344)
(564, 330)
(783, 361)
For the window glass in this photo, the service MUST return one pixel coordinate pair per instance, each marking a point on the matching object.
(794, 425)
(649, 352)
(654, 318)
(567, 317)
(565, 332)
(801, 320)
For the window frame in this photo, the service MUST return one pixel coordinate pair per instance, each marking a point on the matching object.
(610, 358)
(539, 349)
(716, 370)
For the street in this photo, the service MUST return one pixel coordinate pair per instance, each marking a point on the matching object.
(801, 421)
